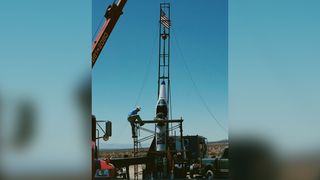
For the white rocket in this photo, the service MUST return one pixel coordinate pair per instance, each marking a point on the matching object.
(161, 116)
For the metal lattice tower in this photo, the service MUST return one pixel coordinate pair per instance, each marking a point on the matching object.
(164, 47)
(163, 69)
(164, 64)
(164, 52)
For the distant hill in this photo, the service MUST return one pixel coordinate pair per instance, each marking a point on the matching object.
(216, 148)
(107, 146)
(224, 141)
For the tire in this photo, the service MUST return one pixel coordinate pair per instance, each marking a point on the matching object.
(191, 175)
(191, 171)
(209, 175)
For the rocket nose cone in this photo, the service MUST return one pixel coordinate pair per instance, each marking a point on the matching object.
(162, 91)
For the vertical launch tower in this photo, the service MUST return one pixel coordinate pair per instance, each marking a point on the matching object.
(164, 46)
(163, 105)
(164, 151)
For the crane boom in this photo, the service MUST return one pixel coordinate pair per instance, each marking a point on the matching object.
(112, 15)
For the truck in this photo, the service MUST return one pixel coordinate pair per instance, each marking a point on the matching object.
(211, 167)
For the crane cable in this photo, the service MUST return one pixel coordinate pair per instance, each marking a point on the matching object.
(125, 126)
(146, 77)
(99, 26)
(195, 86)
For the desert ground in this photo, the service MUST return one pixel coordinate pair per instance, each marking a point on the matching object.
(214, 149)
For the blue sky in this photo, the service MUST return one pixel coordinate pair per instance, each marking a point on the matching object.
(131, 54)
(274, 72)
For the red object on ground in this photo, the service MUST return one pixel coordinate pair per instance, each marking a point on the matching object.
(106, 166)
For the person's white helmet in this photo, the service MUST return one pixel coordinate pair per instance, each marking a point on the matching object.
(138, 107)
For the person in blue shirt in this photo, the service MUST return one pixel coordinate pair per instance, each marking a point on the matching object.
(134, 118)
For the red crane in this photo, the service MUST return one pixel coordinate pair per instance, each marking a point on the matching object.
(112, 15)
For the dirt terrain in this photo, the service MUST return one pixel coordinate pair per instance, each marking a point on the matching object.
(214, 149)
